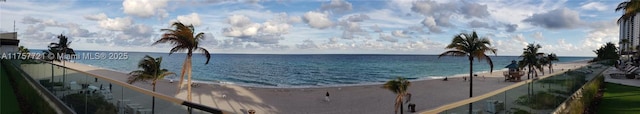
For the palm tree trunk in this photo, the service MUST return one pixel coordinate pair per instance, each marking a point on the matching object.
(64, 74)
(529, 72)
(401, 107)
(153, 99)
(51, 87)
(184, 68)
(189, 78)
(470, 82)
(550, 67)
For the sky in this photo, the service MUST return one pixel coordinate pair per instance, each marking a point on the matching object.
(564, 27)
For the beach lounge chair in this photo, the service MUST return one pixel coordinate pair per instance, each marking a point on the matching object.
(629, 72)
(494, 106)
(195, 85)
(73, 85)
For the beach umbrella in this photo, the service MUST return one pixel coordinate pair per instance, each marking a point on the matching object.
(513, 65)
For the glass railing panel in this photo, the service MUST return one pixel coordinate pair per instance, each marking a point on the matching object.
(88, 94)
(495, 104)
(543, 95)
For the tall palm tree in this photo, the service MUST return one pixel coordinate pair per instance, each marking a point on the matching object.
(630, 9)
(183, 38)
(59, 51)
(550, 58)
(531, 59)
(399, 86)
(149, 70)
(473, 47)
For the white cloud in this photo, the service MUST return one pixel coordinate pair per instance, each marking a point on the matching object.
(238, 20)
(384, 37)
(116, 24)
(376, 28)
(96, 17)
(307, 44)
(479, 24)
(470, 9)
(144, 8)
(400, 33)
(430, 23)
(295, 19)
(357, 18)
(537, 36)
(266, 35)
(191, 19)
(519, 38)
(336, 6)
(352, 29)
(272, 27)
(32, 29)
(594, 6)
(317, 20)
(139, 30)
(601, 32)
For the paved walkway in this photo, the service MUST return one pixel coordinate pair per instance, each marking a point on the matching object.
(619, 79)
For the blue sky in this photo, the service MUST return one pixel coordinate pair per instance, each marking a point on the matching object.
(567, 28)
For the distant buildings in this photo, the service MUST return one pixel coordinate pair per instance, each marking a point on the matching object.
(629, 30)
(9, 42)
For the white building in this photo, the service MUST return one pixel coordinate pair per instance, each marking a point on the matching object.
(630, 30)
(9, 42)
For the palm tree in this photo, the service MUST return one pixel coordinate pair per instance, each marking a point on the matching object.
(473, 47)
(23, 50)
(531, 59)
(183, 39)
(550, 58)
(150, 70)
(630, 8)
(398, 86)
(59, 51)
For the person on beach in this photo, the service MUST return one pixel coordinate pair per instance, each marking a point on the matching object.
(326, 98)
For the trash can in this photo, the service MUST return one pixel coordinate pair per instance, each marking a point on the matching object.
(412, 107)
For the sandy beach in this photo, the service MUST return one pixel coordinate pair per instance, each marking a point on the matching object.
(370, 99)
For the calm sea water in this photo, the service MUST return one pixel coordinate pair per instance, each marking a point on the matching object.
(310, 70)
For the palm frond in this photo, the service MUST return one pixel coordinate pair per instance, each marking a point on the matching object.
(453, 53)
(206, 54)
(489, 61)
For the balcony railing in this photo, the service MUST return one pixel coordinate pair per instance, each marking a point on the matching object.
(86, 93)
(539, 96)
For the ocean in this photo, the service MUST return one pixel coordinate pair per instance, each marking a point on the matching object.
(316, 70)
